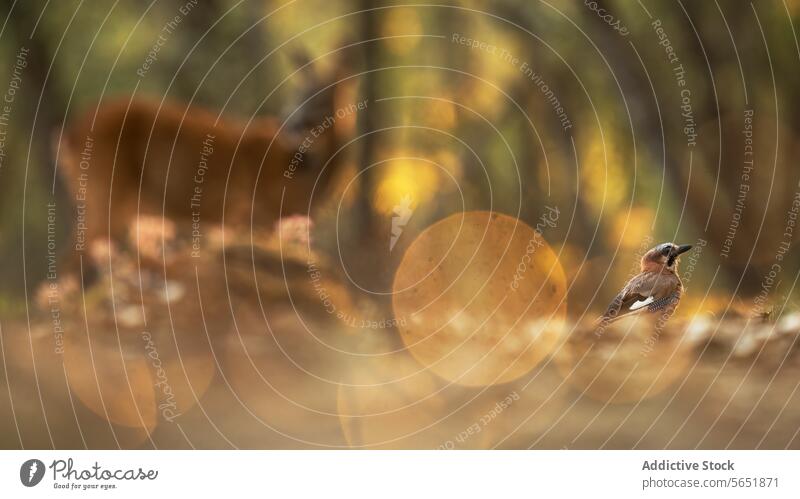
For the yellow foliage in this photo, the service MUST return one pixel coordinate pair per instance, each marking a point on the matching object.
(631, 227)
(400, 23)
(406, 178)
(604, 178)
(440, 113)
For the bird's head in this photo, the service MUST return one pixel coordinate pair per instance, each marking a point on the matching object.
(664, 255)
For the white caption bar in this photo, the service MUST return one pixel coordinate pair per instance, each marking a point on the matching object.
(354, 474)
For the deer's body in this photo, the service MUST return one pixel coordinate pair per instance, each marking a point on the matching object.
(129, 158)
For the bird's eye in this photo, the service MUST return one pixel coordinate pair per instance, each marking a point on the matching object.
(665, 249)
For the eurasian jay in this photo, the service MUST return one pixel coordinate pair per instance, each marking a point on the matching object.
(657, 289)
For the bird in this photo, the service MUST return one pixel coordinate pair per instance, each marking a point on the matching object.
(656, 289)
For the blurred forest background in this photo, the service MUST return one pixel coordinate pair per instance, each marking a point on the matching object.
(630, 118)
(621, 172)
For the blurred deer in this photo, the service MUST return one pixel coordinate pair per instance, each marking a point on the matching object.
(133, 157)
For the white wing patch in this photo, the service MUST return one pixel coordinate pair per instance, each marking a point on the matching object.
(642, 303)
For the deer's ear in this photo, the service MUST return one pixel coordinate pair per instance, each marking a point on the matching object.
(303, 82)
(324, 91)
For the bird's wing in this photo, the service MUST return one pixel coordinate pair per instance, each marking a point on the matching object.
(662, 303)
(621, 304)
(642, 303)
(635, 296)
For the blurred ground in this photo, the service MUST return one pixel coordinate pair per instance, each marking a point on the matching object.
(248, 355)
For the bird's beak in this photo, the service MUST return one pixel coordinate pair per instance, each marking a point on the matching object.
(682, 249)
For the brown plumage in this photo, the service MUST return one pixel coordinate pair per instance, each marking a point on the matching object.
(657, 289)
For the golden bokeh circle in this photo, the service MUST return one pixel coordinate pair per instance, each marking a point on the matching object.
(480, 298)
